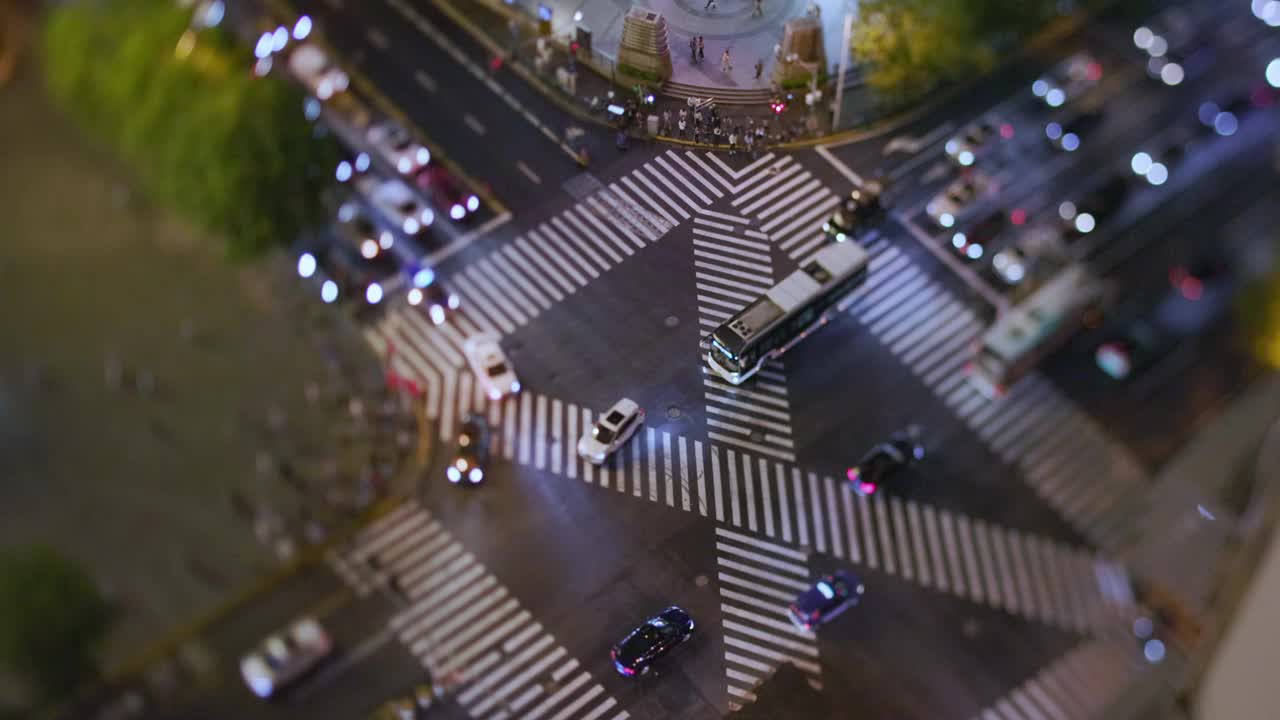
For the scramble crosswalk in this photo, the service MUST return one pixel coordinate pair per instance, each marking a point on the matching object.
(732, 268)
(949, 552)
(461, 621)
(790, 205)
(517, 281)
(1081, 685)
(758, 579)
(1062, 452)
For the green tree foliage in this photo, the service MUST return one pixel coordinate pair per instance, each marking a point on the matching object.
(912, 46)
(232, 152)
(52, 620)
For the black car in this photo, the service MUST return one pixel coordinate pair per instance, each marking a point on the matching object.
(1136, 346)
(862, 205)
(1069, 135)
(473, 452)
(972, 243)
(659, 635)
(830, 596)
(342, 273)
(1081, 217)
(886, 460)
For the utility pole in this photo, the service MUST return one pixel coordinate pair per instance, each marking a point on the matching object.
(850, 15)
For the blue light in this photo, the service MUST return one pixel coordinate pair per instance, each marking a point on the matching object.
(1273, 73)
(424, 277)
(329, 291)
(1153, 650)
(1226, 124)
(1070, 142)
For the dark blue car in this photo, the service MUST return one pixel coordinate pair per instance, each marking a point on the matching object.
(658, 636)
(830, 595)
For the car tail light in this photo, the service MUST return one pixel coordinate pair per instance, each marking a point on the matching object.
(868, 488)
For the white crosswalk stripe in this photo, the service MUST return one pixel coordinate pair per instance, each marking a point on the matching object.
(461, 619)
(516, 282)
(790, 204)
(1080, 685)
(758, 580)
(1063, 454)
(1008, 570)
(733, 267)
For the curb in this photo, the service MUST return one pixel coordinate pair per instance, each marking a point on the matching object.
(131, 670)
(369, 89)
(517, 67)
(1052, 32)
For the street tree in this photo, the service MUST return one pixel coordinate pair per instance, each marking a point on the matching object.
(1259, 312)
(912, 46)
(52, 620)
(232, 152)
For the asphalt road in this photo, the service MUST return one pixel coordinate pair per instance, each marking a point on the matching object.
(987, 583)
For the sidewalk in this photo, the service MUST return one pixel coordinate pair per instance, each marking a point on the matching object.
(511, 33)
(1186, 527)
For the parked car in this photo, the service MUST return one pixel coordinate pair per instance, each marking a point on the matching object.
(657, 636)
(342, 273)
(317, 72)
(445, 192)
(1155, 165)
(1173, 45)
(285, 657)
(370, 239)
(472, 454)
(885, 461)
(1068, 136)
(489, 363)
(429, 293)
(398, 203)
(398, 148)
(948, 205)
(975, 140)
(614, 427)
(1068, 80)
(829, 597)
(1081, 217)
(861, 205)
(1134, 347)
(1032, 248)
(972, 243)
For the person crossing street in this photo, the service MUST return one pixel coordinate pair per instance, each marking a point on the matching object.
(725, 65)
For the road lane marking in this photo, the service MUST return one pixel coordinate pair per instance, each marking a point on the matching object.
(426, 81)
(839, 165)
(378, 39)
(528, 172)
(476, 126)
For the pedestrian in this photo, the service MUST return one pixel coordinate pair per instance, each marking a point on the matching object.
(733, 142)
(666, 122)
(759, 68)
(777, 52)
(725, 65)
(682, 124)
(758, 10)
(693, 48)
(702, 49)
(710, 4)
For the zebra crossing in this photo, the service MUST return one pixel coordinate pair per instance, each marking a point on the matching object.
(757, 581)
(461, 619)
(1062, 452)
(790, 205)
(517, 281)
(1080, 685)
(732, 268)
(949, 552)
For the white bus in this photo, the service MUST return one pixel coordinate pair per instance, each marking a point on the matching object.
(788, 312)
(1033, 328)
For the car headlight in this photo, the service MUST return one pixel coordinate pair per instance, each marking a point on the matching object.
(457, 212)
(453, 474)
(495, 394)
(476, 475)
(515, 386)
(411, 226)
(473, 203)
(404, 166)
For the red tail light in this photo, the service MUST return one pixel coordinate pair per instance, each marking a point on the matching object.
(867, 488)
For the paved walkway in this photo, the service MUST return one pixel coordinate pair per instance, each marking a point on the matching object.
(729, 25)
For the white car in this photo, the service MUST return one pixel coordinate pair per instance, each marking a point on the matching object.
(974, 141)
(398, 203)
(615, 426)
(315, 70)
(398, 148)
(490, 364)
(1068, 80)
(948, 205)
(285, 657)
